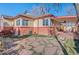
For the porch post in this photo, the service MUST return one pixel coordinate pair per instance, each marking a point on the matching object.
(20, 27)
(20, 22)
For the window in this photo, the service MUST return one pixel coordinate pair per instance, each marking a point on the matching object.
(45, 22)
(18, 22)
(24, 22)
(6, 24)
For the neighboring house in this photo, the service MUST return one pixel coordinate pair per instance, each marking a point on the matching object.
(6, 23)
(69, 22)
(42, 25)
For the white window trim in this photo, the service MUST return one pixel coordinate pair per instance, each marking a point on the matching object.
(49, 22)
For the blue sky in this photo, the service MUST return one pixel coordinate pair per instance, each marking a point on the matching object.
(12, 9)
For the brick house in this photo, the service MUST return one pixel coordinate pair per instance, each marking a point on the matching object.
(31, 25)
(42, 25)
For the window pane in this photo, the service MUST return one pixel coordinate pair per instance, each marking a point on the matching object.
(24, 22)
(18, 22)
(45, 22)
(6, 24)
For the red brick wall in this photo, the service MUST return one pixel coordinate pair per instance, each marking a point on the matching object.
(23, 30)
(37, 30)
(6, 28)
(43, 30)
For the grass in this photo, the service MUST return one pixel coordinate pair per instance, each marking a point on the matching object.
(40, 36)
(27, 35)
(69, 45)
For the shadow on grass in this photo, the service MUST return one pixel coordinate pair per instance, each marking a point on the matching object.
(24, 36)
(36, 35)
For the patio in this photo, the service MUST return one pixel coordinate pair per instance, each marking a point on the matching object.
(39, 45)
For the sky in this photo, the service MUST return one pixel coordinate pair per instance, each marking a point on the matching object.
(13, 9)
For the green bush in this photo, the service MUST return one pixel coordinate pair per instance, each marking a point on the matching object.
(69, 45)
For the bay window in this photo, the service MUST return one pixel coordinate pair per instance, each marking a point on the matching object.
(24, 22)
(18, 22)
(45, 22)
(21, 22)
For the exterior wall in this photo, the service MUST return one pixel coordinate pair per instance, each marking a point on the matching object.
(35, 23)
(39, 22)
(66, 19)
(1, 27)
(65, 26)
(43, 30)
(34, 26)
(34, 30)
(40, 29)
(23, 30)
(8, 22)
(8, 26)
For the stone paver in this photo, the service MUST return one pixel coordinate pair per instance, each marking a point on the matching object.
(38, 45)
(50, 51)
(25, 52)
(39, 49)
